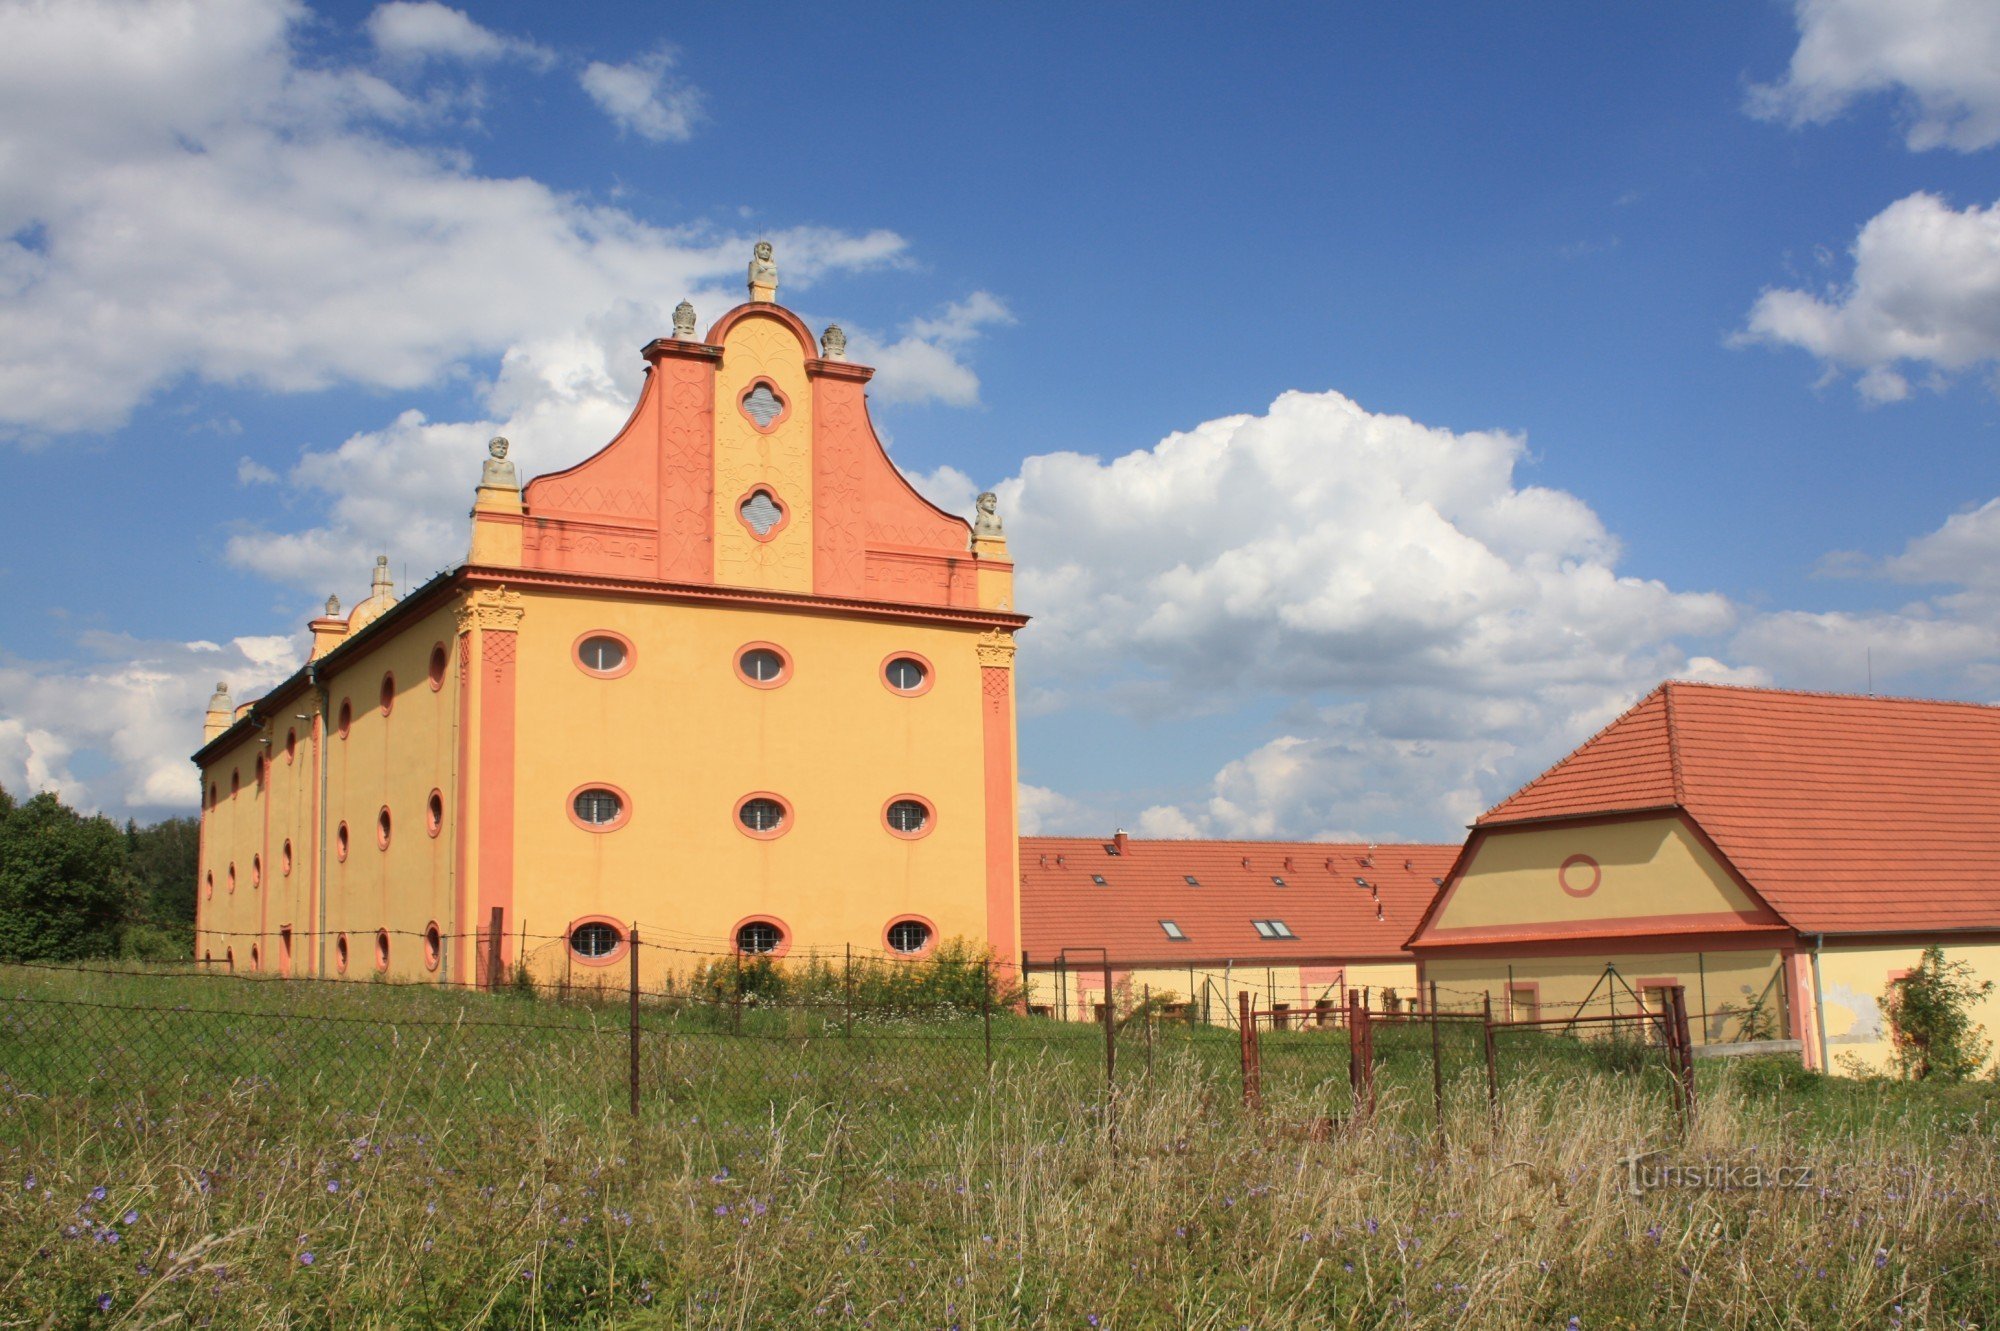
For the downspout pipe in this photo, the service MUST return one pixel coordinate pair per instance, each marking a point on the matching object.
(1819, 1002)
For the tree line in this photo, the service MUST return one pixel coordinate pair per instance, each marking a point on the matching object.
(76, 885)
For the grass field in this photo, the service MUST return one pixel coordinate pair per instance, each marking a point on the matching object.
(244, 1153)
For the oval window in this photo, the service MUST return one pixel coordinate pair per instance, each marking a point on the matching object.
(597, 807)
(762, 665)
(601, 655)
(381, 949)
(761, 814)
(594, 940)
(346, 721)
(908, 936)
(433, 946)
(908, 816)
(434, 813)
(256, 871)
(439, 659)
(906, 674)
(291, 744)
(340, 954)
(759, 938)
(388, 692)
(285, 858)
(382, 828)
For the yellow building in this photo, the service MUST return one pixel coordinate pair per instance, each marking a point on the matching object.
(1782, 856)
(730, 680)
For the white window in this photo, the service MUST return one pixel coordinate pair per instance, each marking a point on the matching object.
(909, 936)
(904, 674)
(601, 654)
(594, 939)
(1273, 929)
(762, 664)
(1173, 931)
(597, 807)
(758, 938)
(762, 815)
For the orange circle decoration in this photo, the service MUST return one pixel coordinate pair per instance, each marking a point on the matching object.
(614, 955)
(624, 667)
(930, 940)
(930, 818)
(784, 665)
(784, 820)
(1572, 871)
(440, 658)
(434, 812)
(784, 936)
(784, 512)
(624, 807)
(433, 945)
(923, 662)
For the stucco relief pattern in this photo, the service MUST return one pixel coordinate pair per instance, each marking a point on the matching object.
(492, 608)
(687, 502)
(757, 348)
(563, 545)
(839, 553)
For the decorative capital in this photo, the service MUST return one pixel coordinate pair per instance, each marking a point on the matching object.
(493, 608)
(996, 649)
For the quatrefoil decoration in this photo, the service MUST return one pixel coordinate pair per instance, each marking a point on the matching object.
(760, 513)
(763, 406)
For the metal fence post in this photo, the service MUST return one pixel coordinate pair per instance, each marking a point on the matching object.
(1492, 1063)
(1253, 1079)
(1147, 1011)
(1684, 1052)
(847, 995)
(493, 937)
(736, 1001)
(986, 1011)
(1437, 1062)
(633, 948)
(1110, 1028)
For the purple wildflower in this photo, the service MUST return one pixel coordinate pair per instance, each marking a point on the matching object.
(104, 1303)
(305, 1259)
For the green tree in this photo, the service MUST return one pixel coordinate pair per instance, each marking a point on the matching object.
(1930, 1018)
(64, 884)
(165, 859)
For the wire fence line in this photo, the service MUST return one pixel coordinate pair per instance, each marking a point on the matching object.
(892, 1064)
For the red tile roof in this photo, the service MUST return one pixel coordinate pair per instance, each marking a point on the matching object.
(1847, 814)
(1332, 916)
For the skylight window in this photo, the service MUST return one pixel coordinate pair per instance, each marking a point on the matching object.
(1173, 931)
(1361, 882)
(1110, 849)
(1192, 881)
(1277, 881)
(1273, 929)
(1098, 878)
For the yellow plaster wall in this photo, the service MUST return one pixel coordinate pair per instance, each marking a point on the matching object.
(763, 346)
(1852, 982)
(1650, 867)
(232, 833)
(396, 761)
(686, 739)
(1074, 996)
(1714, 980)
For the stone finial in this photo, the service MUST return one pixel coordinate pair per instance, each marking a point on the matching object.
(219, 700)
(684, 322)
(833, 343)
(763, 274)
(381, 584)
(498, 472)
(220, 712)
(332, 606)
(987, 522)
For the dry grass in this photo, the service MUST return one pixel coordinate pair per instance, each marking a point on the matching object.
(1028, 1205)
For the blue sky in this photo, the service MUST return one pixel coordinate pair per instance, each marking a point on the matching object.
(1468, 368)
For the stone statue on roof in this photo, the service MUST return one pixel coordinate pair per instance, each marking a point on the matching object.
(833, 343)
(987, 523)
(763, 274)
(499, 473)
(684, 322)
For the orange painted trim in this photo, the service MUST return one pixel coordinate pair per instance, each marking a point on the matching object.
(624, 811)
(751, 309)
(784, 936)
(784, 404)
(433, 946)
(784, 513)
(388, 699)
(1003, 870)
(929, 946)
(1698, 922)
(1801, 1007)
(497, 652)
(612, 957)
(930, 674)
(756, 598)
(434, 812)
(1748, 940)
(464, 927)
(784, 823)
(439, 663)
(622, 668)
(784, 658)
(930, 818)
(1577, 866)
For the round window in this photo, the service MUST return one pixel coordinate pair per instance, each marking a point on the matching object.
(601, 655)
(906, 674)
(761, 665)
(762, 815)
(758, 938)
(909, 936)
(909, 816)
(439, 659)
(594, 940)
(597, 807)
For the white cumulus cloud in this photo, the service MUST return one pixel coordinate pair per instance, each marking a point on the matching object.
(417, 30)
(1925, 292)
(1939, 58)
(642, 96)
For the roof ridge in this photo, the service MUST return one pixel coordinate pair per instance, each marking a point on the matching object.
(1674, 746)
(1722, 687)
